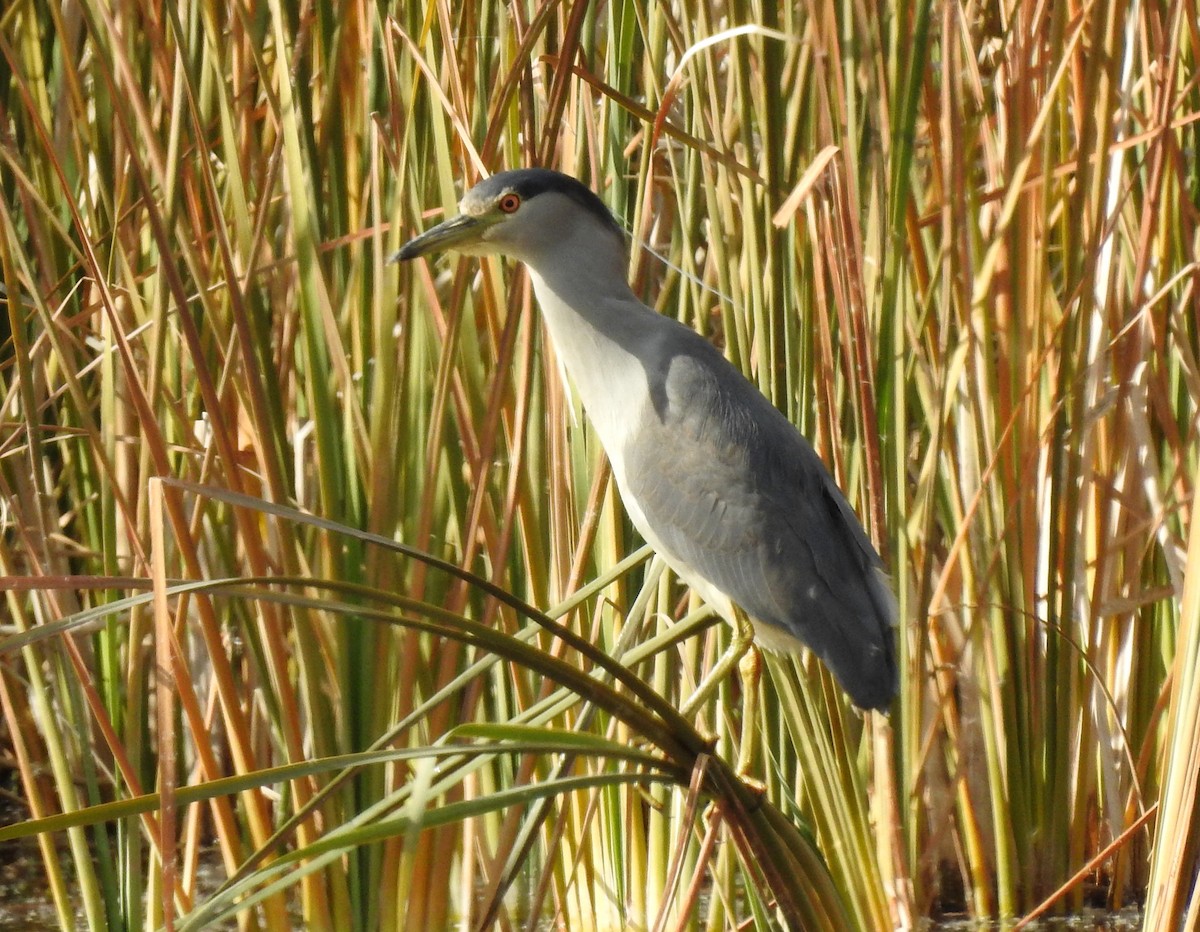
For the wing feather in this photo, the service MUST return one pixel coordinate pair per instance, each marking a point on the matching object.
(732, 493)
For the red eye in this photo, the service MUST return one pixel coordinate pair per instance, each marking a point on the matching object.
(509, 202)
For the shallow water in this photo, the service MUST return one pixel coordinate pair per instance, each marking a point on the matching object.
(1127, 920)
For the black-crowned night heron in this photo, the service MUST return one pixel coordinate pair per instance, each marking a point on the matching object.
(717, 480)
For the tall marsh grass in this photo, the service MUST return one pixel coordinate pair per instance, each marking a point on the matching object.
(314, 570)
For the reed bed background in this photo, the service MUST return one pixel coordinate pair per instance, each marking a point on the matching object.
(279, 520)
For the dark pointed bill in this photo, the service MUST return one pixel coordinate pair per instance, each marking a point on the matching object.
(461, 230)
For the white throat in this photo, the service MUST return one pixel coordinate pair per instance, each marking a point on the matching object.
(591, 337)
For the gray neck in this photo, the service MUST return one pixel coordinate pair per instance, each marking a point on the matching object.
(597, 326)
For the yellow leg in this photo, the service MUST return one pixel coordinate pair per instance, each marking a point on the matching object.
(750, 669)
(743, 640)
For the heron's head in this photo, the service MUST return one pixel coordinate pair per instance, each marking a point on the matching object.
(530, 214)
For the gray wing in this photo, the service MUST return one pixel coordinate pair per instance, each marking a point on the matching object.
(736, 494)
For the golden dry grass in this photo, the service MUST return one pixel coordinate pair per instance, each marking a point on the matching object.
(222, 412)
